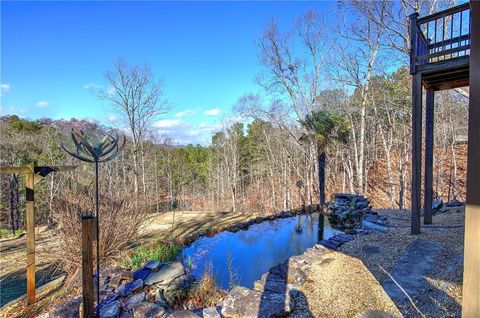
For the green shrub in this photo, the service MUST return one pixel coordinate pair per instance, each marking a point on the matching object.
(4, 233)
(163, 252)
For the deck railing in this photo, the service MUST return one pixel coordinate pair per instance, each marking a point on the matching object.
(440, 36)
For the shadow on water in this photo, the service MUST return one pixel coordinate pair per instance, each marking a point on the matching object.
(278, 293)
(271, 301)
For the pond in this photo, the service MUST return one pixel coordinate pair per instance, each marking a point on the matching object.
(242, 257)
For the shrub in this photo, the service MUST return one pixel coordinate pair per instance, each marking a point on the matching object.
(205, 292)
(163, 252)
(120, 221)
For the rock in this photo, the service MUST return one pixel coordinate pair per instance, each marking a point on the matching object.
(147, 309)
(167, 272)
(183, 314)
(371, 218)
(152, 266)
(107, 297)
(141, 273)
(248, 303)
(110, 310)
(118, 276)
(280, 270)
(244, 225)
(296, 276)
(373, 226)
(361, 204)
(437, 204)
(454, 203)
(128, 288)
(345, 237)
(125, 314)
(135, 300)
(273, 286)
(182, 282)
(333, 245)
(160, 298)
(211, 312)
(69, 309)
(234, 228)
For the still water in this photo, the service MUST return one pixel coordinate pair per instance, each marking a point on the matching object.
(253, 252)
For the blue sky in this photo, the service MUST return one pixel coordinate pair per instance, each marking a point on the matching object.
(54, 55)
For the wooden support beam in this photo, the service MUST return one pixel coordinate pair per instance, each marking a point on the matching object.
(33, 174)
(429, 125)
(15, 170)
(30, 227)
(88, 291)
(471, 272)
(416, 152)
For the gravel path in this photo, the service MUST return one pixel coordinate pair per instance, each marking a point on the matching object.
(438, 286)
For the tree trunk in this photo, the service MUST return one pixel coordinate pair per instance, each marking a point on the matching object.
(321, 176)
(12, 205)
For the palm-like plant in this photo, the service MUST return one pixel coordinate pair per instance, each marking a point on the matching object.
(325, 127)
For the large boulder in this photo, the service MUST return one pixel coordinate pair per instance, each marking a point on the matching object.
(167, 273)
(248, 303)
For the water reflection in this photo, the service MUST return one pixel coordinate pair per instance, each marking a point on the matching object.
(254, 251)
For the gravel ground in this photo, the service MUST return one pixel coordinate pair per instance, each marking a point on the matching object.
(341, 286)
(441, 292)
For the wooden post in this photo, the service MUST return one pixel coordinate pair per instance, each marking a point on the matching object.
(429, 143)
(471, 263)
(30, 218)
(416, 152)
(30, 181)
(413, 42)
(88, 291)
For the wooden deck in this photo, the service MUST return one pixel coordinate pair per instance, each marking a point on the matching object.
(445, 54)
(441, 48)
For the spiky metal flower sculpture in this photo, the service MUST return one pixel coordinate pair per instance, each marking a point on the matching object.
(92, 150)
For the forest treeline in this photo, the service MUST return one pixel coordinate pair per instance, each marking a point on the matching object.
(334, 110)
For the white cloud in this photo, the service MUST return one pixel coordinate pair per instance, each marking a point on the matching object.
(5, 88)
(212, 112)
(184, 113)
(168, 123)
(89, 86)
(202, 125)
(112, 118)
(111, 90)
(23, 111)
(42, 104)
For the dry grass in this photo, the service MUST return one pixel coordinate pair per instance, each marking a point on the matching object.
(205, 293)
(120, 220)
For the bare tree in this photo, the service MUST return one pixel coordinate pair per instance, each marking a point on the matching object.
(135, 94)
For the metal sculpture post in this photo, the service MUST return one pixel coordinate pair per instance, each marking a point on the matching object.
(33, 175)
(94, 151)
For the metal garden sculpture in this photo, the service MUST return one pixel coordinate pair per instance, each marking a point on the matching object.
(92, 150)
